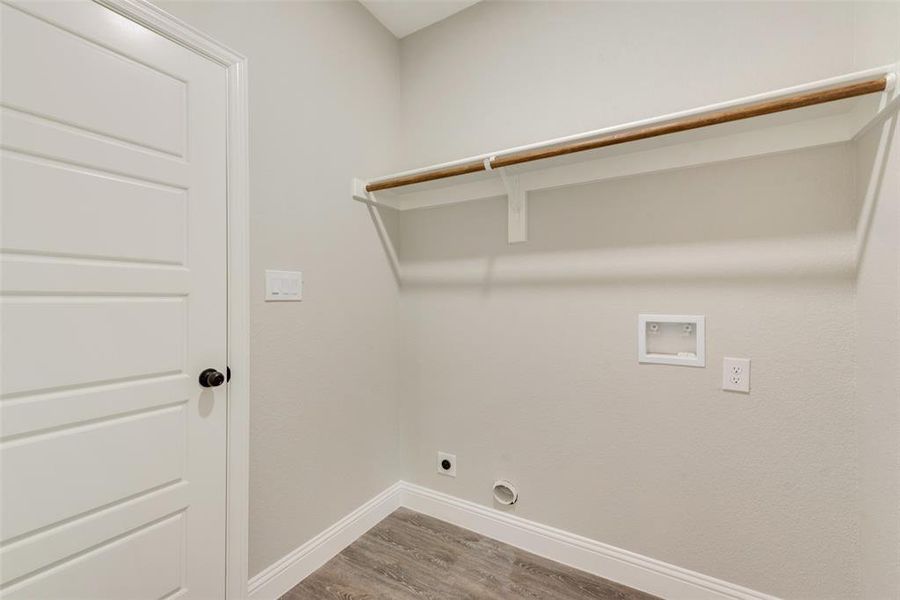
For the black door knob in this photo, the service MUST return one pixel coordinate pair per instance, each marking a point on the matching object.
(211, 378)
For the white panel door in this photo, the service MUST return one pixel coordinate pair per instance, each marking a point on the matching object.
(113, 240)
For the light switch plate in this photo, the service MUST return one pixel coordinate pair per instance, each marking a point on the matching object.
(284, 286)
(736, 374)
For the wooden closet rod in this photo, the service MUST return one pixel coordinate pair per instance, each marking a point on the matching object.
(757, 109)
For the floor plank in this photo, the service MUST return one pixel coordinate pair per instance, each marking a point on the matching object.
(409, 556)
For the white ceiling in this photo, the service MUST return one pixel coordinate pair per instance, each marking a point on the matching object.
(403, 17)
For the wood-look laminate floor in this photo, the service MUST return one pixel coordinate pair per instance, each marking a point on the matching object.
(409, 556)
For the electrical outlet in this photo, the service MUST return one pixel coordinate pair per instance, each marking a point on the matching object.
(736, 374)
(446, 464)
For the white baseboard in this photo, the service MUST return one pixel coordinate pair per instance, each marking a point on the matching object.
(281, 576)
(628, 568)
(634, 570)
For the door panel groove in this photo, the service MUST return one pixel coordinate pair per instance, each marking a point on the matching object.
(85, 386)
(25, 134)
(103, 60)
(8, 147)
(175, 594)
(80, 168)
(13, 543)
(91, 42)
(88, 422)
(47, 411)
(79, 259)
(34, 552)
(83, 129)
(92, 424)
(92, 294)
(9, 587)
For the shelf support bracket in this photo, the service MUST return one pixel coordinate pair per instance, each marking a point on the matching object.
(517, 205)
(360, 194)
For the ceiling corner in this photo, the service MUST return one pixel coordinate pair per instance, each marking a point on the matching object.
(403, 17)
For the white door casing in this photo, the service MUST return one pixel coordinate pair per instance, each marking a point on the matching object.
(114, 298)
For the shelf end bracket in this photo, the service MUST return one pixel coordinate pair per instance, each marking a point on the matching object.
(359, 192)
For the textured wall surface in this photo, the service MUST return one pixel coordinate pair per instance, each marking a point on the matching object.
(499, 74)
(878, 375)
(522, 359)
(324, 107)
(877, 41)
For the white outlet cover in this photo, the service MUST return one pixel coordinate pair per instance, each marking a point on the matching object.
(736, 374)
(284, 286)
(451, 472)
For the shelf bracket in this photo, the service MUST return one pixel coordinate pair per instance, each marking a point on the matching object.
(360, 194)
(517, 205)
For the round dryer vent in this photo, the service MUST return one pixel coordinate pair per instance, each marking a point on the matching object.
(505, 492)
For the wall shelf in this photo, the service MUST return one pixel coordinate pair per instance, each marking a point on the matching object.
(828, 111)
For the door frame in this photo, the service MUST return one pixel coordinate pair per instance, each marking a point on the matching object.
(237, 206)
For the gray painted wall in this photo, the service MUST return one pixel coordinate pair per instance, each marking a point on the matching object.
(878, 393)
(521, 359)
(526, 365)
(877, 41)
